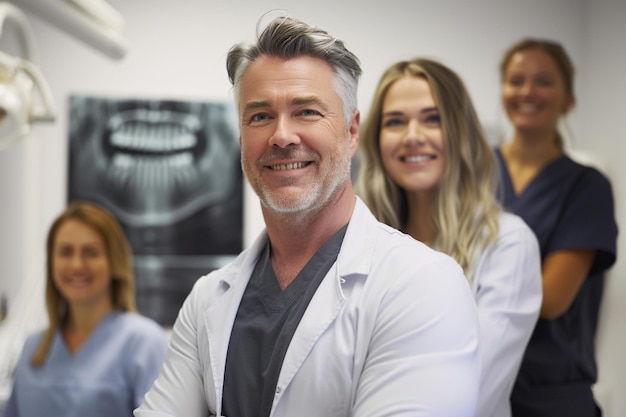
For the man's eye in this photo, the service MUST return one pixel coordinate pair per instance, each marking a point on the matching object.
(309, 112)
(259, 117)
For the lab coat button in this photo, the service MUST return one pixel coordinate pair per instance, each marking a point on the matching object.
(277, 390)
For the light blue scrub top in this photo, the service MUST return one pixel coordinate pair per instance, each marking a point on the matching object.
(107, 377)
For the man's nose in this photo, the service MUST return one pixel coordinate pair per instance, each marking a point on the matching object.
(284, 133)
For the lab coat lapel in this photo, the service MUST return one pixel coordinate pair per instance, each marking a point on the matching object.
(321, 312)
(227, 297)
(350, 271)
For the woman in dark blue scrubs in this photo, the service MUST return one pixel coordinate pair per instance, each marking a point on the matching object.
(570, 208)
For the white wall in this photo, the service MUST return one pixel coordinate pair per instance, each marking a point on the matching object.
(177, 50)
(602, 110)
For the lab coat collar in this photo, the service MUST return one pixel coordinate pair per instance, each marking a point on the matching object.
(351, 268)
(354, 256)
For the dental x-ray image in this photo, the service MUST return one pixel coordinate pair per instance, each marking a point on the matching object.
(170, 172)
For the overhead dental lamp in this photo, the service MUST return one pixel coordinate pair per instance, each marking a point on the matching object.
(25, 97)
(93, 22)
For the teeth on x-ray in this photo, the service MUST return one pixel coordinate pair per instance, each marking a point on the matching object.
(153, 149)
(160, 138)
(153, 117)
(153, 130)
(152, 172)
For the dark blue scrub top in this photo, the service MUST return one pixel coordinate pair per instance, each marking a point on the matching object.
(266, 320)
(568, 206)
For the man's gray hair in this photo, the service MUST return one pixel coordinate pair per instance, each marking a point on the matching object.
(287, 37)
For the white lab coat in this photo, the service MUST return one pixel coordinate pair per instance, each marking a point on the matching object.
(508, 291)
(391, 331)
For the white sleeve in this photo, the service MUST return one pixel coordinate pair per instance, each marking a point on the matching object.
(147, 358)
(508, 297)
(179, 389)
(423, 357)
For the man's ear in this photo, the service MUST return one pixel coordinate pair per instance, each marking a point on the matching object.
(354, 130)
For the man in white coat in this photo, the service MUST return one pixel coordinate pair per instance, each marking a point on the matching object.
(329, 313)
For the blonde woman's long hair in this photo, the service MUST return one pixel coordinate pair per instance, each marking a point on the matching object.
(120, 259)
(466, 211)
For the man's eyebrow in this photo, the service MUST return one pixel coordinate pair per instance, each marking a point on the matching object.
(298, 101)
(257, 104)
(307, 100)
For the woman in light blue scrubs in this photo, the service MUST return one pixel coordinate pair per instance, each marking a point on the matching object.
(98, 357)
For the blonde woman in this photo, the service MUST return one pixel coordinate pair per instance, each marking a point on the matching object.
(428, 171)
(97, 357)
